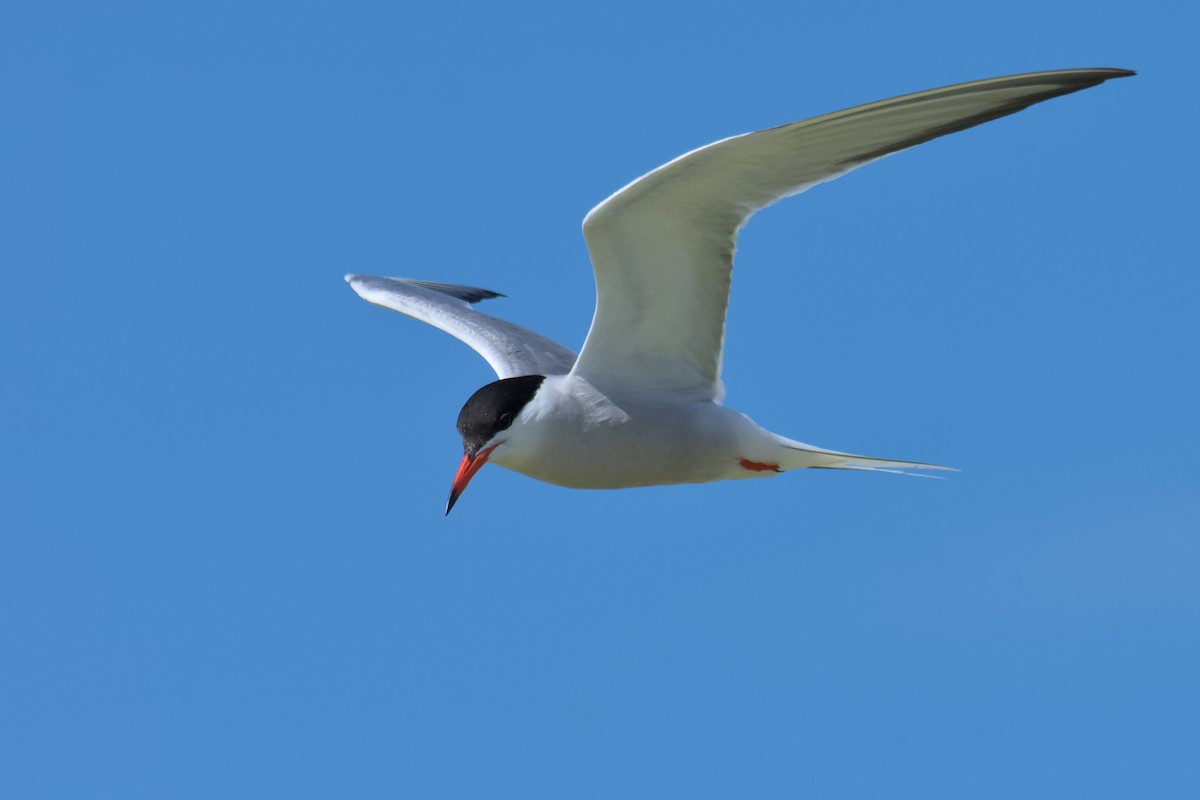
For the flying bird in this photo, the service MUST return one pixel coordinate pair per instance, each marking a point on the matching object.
(641, 404)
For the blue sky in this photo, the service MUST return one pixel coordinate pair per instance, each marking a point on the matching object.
(225, 572)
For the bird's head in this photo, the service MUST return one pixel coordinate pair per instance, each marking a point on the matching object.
(484, 424)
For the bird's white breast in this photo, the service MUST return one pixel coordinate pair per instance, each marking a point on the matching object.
(575, 434)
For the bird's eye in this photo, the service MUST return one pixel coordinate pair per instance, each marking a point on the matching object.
(505, 418)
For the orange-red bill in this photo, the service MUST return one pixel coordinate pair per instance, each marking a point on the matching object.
(466, 470)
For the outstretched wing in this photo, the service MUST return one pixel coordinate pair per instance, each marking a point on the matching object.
(510, 349)
(662, 247)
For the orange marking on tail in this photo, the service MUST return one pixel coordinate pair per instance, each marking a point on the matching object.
(758, 466)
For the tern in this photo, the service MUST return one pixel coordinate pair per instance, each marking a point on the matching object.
(641, 404)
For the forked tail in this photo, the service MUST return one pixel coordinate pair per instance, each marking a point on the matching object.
(797, 455)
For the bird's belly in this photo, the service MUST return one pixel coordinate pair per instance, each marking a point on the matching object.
(681, 448)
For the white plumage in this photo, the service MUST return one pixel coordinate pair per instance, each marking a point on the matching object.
(641, 404)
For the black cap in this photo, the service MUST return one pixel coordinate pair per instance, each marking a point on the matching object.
(493, 408)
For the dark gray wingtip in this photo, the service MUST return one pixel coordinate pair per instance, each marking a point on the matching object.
(1058, 82)
(469, 294)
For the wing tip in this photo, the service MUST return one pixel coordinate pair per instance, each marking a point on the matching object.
(467, 294)
(1096, 76)
(1106, 72)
